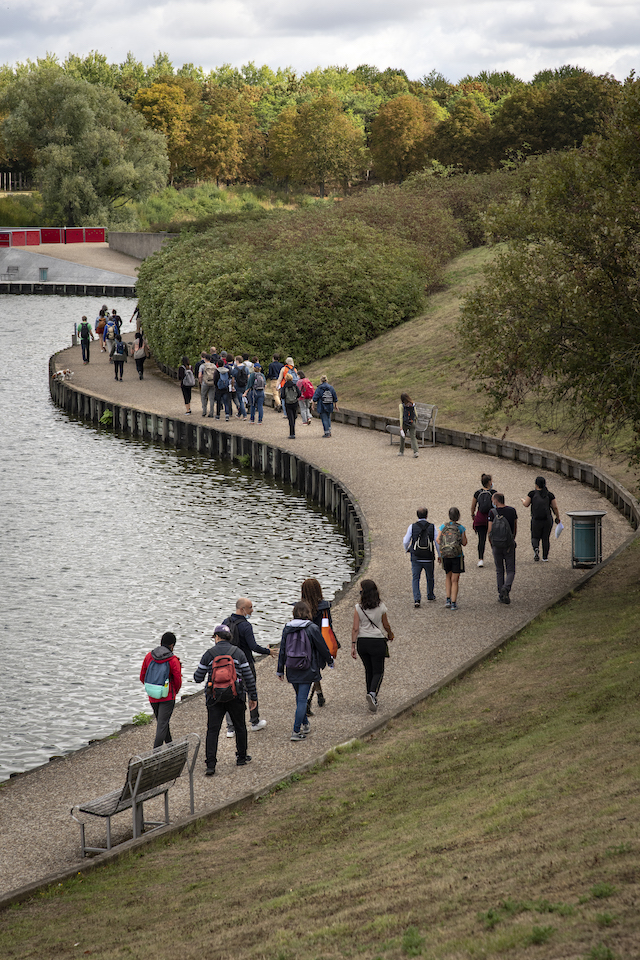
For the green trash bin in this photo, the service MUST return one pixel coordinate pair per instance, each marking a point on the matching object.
(586, 537)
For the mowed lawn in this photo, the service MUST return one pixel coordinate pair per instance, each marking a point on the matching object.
(498, 819)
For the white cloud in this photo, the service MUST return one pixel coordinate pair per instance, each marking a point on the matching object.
(456, 38)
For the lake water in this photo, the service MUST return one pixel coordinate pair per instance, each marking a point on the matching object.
(107, 542)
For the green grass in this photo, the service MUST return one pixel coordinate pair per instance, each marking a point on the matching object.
(423, 357)
(498, 819)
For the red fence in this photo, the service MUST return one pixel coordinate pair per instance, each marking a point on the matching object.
(33, 236)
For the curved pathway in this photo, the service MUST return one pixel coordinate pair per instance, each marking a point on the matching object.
(38, 837)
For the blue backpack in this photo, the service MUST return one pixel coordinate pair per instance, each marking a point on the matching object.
(298, 650)
(223, 379)
(156, 679)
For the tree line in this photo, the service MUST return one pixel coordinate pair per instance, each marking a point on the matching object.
(325, 128)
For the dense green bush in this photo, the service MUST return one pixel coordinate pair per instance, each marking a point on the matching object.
(301, 283)
(21, 210)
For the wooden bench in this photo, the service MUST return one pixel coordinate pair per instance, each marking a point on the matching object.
(149, 775)
(11, 274)
(426, 414)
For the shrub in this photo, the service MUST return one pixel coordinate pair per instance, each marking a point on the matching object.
(301, 283)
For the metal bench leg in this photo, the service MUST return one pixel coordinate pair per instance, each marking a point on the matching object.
(138, 819)
(166, 806)
(82, 841)
(108, 833)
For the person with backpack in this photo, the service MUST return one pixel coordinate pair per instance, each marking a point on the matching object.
(244, 638)
(207, 380)
(256, 385)
(303, 654)
(419, 543)
(481, 506)
(161, 674)
(289, 395)
(450, 541)
(109, 334)
(225, 668)
(304, 402)
(273, 376)
(239, 381)
(223, 383)
(370, 638)
(120, 354)
(503, 527)
(85, 332)
(187, 380)
(326, 401)
(117, 319)
(542, 503)
(288, 368)
(100, 324)
(321, 615)
(408, 419)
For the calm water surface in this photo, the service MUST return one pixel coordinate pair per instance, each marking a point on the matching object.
(108, 542)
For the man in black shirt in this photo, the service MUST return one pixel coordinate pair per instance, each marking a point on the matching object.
(502, 537)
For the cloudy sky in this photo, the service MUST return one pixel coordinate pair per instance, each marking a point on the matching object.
(455, 37)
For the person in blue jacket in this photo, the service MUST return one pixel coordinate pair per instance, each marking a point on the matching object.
(302, 678)
(326, 400)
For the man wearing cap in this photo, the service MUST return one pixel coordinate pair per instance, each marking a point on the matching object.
(235, 707)
(163, 706)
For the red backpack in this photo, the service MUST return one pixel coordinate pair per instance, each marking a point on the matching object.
(223, 683)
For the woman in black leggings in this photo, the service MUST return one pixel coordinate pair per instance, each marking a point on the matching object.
(542, 502)
(369, 636)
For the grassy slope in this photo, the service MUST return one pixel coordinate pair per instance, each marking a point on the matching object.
(500, 818)
(423, 358)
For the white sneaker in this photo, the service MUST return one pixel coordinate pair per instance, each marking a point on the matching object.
(481, 563)
(231, 733)
(260, 725)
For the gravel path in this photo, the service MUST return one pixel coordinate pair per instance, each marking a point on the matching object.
(37, 835)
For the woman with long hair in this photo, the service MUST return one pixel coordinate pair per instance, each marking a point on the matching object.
(369, 637)
(451, 539)
(481, 504)
(320, 610)
(187, 380)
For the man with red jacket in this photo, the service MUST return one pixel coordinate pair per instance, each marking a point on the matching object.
(163, 706)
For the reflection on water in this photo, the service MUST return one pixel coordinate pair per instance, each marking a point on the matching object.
(107, 542)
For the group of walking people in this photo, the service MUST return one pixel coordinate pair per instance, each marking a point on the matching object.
(239, 382)
(108, 327)
(492, 520)
(308, 645)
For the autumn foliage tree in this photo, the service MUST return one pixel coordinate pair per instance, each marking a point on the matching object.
(400, 136)
(317, 143)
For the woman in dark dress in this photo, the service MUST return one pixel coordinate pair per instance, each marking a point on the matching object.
(320, 611)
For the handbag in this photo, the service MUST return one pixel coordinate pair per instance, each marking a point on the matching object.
(139, 354)
(329, 636)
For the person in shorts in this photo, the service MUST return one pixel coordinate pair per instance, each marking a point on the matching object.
(451, 539)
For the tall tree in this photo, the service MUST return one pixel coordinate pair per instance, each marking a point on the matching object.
(400, 137)
(171, 107)
(318, 143)
(93, 154)
(558, 317)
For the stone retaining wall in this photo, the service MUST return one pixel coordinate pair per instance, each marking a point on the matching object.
(138, 245)
(323, 489)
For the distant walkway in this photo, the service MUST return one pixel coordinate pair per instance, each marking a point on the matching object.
(431, 642)
(82, 263)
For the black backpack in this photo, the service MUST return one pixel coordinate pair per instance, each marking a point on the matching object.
(423, 545)
(501, 533)
(408, 415)
(540, 502)
(484, 501)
